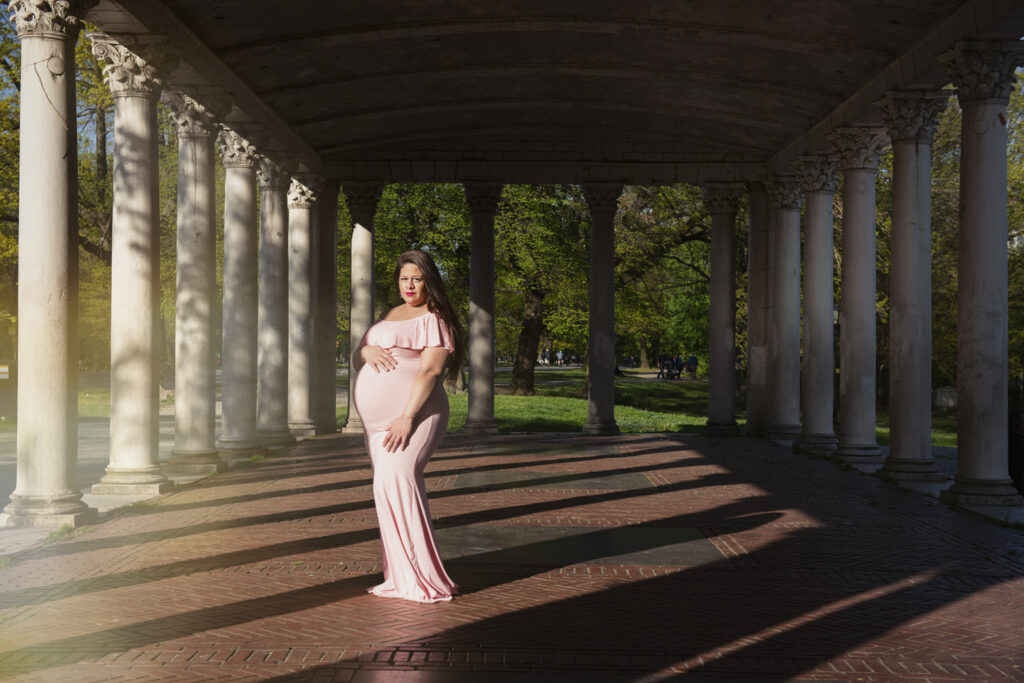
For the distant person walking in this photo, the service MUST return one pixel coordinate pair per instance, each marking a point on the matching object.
(691, 366)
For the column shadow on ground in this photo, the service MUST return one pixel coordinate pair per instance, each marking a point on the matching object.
(860, 587)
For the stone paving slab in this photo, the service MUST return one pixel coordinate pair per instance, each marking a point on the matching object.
(738, 560)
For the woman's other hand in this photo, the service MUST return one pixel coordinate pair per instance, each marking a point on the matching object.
(378, 358)
(397, 437)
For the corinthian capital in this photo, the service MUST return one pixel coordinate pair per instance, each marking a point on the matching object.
(784, 191)
(60, 17)
(858, 146)
(362, 198)
(912, 114)
(300, 195)
(236, 151)
(983, 70)
(138, 70)
(271, 175)
(818, 173)
(483, 197)
(602, 198)
(193, 118)
(722, 198)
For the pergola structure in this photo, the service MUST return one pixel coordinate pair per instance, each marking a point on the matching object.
(775, 99)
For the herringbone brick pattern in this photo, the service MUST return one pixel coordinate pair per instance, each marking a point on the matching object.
(659, 557)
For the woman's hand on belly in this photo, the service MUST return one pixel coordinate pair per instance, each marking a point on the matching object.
(398, 432)
(378, 358)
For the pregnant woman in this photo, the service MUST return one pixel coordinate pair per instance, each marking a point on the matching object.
(399, 395)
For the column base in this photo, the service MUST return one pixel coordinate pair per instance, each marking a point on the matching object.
(816, 444)
(601, 428)
(135, 482)
(725, 429)
(302, 429)
(326, 426)
(487, 426)
(353, 426)
(275, 438)
(47, 511)
(194, 462)
(786, 433)
(755, 429)
(238, 450)
(966, 491)
(863, 453)
(912, 470)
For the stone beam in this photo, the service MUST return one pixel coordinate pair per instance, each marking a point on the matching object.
(918, 66)
(568, 172)
(199, 66)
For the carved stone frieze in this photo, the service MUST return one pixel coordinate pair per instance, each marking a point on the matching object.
(722, 198)
(236, 151)
(62, 17)
(602, 198)
(858, 146)
(913, 114)
(818, 173)
(983, 70)
(300, 195)
(785, 192)
(483, 197)
(138, 70)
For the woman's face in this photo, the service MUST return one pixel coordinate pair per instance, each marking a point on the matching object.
(410, 285)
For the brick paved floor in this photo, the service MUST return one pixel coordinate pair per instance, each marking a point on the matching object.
(630, 558)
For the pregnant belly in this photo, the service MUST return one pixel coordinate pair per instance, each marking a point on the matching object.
(381, 397)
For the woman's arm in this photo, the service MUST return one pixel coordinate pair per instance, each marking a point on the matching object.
(432, 362)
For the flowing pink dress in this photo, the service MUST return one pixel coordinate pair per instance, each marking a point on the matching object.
(412, 564)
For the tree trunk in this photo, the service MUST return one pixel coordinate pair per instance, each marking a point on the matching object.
(529, 341)
(101, 143)
(645, 363)
(457, 383)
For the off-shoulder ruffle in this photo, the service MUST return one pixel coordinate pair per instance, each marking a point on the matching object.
(425, 332)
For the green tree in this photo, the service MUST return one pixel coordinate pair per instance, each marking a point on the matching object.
(542, 252)
(10, 87)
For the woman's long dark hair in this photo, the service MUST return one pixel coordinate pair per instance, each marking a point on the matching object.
(437, 302)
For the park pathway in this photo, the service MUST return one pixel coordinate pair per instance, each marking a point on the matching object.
(630, 558)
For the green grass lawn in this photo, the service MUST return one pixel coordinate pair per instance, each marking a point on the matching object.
(641, 405)
(94, 402)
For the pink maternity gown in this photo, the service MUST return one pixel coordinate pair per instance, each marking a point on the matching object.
(412, 564)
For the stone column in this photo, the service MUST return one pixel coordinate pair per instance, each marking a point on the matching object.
(784, 419)
(362, 205)
(46, 493)
(272, 356)
(325, 323)
(195, 439)
(483, 203)
(721, 201)
(911, 117)
(819, 177)
(983, 74)
(238, 352)
(135, 80)
(757, 299)
(857, 148)
(301, 205)
(603, 202)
